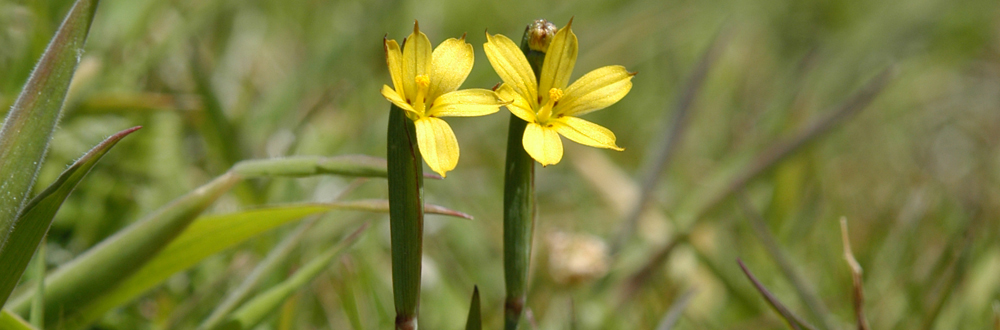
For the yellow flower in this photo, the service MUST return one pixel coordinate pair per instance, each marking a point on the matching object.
(549, 106)
(425, 84)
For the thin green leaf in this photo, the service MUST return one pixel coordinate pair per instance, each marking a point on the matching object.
(348, 301)
(10, 321)
(676, 308)
(268, 265)
(803, 288)
(35, 219)
(207, 236)
(251, 313)
(77, 283)
(790, 318)
(475, 319)
(217, 129)
(298, 166)
(37, 317)
(28, 128)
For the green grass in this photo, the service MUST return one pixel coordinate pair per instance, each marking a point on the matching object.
(216, 82)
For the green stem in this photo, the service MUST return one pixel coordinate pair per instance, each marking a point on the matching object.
(406, 216)
(37, 315)
(519, 208)
(518, 221)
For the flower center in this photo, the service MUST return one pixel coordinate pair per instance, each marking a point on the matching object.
(423, 81)
(545, 113)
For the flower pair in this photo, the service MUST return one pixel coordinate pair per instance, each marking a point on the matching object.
(426, 84)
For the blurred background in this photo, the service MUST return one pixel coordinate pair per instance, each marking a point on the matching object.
(903, 98)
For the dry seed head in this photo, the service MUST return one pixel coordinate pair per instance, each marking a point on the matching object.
(576, 258)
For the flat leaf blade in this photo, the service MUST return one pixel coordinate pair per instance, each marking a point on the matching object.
(36, 217)
(77, 283)
(10, 321)
(28, 128)
(205, 237)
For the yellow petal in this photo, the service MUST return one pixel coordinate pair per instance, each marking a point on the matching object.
(543, 144)
(437, 144)
(586, 133)
(518, 105)
(416, 59)
(511, 65)
(391, 95)
(450, 65)
(559, 61)
(596, 90)
(465, 103)
(394, 58)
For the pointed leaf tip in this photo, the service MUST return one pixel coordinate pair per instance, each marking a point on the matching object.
(32, 222)
(29, 124)
(474, 321)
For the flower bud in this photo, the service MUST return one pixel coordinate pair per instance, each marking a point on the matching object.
(540, 34)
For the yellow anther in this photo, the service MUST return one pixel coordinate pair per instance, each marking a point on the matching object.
(555, 94)
(423, 81)
(545, 112)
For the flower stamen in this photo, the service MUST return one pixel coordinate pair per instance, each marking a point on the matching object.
(423, 82)
(546, 111)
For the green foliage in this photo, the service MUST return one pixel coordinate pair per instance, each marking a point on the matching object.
(205, 237)
(475, 319)
(33, 222)
(77, 284)
(222, 82)
(28, 127)
(13, 322)
(255, 310)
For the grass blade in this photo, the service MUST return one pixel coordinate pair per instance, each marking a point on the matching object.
(774, 155)
(274, 258)
(251, 313)
(34, 221)
(207, 236)
(674, 314)
(807, 135)
(77, 283)
(28, 128)
(859, 291)
(793, 321)
(475, 319)
(37, 317)
(671, 138)
(10, 321)
(805, 291)
(299, 166)
(218, 131)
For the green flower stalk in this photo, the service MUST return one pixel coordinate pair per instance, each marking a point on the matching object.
(519, 183)
(425, 88)
(543, 106)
